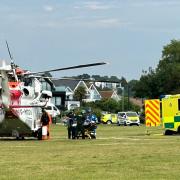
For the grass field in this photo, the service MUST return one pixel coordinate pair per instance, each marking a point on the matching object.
(117, 153)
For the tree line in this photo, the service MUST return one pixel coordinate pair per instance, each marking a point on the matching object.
(165, 78)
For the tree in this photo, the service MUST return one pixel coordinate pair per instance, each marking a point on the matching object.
(80, 93)
(165, 79)
(96, 77)
(131, 85)
(111, 105)
(84, 76)
(123, 82)
(168, 69)
(147, 86)
(114, 78)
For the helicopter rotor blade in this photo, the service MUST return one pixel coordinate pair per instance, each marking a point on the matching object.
(9, 52)
(87, 80)
(83, 79)
(12, 62)
(67, 68)
(72, 78)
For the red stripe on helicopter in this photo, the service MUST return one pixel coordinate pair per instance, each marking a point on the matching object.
(14, 106)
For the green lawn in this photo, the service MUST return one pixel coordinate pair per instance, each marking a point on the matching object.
(117, 153)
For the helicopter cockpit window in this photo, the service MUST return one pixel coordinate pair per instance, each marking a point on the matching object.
(27, 82)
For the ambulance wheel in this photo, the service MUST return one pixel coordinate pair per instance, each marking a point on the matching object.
(168, 132)
(178, 130)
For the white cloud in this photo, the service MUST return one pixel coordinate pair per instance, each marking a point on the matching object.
(48, 8)
(96, 6)
(109, 22)
(93, 5)
(166, 30)
(156, 3)
(86, 23)
(77, 7)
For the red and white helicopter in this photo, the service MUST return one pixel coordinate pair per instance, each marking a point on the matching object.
(22, 99)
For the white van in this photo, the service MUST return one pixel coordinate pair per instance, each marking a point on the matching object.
(52, 110)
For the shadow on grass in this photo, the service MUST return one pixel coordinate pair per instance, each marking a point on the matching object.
(15, 139)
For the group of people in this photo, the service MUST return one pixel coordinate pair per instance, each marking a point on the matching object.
(78, 125)
(81, 125)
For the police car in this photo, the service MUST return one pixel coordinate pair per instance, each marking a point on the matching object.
(128, 118)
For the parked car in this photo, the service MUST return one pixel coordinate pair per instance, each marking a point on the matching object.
(109, 118)
(128, 118)
(52, 110)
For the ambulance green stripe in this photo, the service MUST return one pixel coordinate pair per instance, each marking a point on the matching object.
(176, 118)
(169, 125)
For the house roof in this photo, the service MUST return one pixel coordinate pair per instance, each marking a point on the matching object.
(66, 82)
(137, 101)
(106, 94)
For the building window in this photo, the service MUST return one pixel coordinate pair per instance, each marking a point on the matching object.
(53, 100)
(56, 101)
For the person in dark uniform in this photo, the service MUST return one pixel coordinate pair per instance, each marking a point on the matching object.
(71, 122)
(80, 131)
(69, 125)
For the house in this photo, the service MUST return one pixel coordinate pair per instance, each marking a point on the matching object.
(110, 94)
(94, 94)
(63, 92)
(70, 87)
(109, 85)
(58, 93)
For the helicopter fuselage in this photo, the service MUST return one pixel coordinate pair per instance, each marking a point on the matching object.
(20, 107)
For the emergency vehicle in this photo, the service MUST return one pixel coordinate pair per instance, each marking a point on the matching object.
(168, 110)
(109, 118)
(171, 114)
(128, 118)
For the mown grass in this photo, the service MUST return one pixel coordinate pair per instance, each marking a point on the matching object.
(117, 153)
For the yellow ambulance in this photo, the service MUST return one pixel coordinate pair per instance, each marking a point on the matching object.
(171, 114)
(167, 109)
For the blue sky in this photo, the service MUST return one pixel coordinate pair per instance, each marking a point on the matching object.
(129, 34)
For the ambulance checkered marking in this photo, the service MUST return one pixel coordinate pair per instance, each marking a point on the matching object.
(152, 112)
